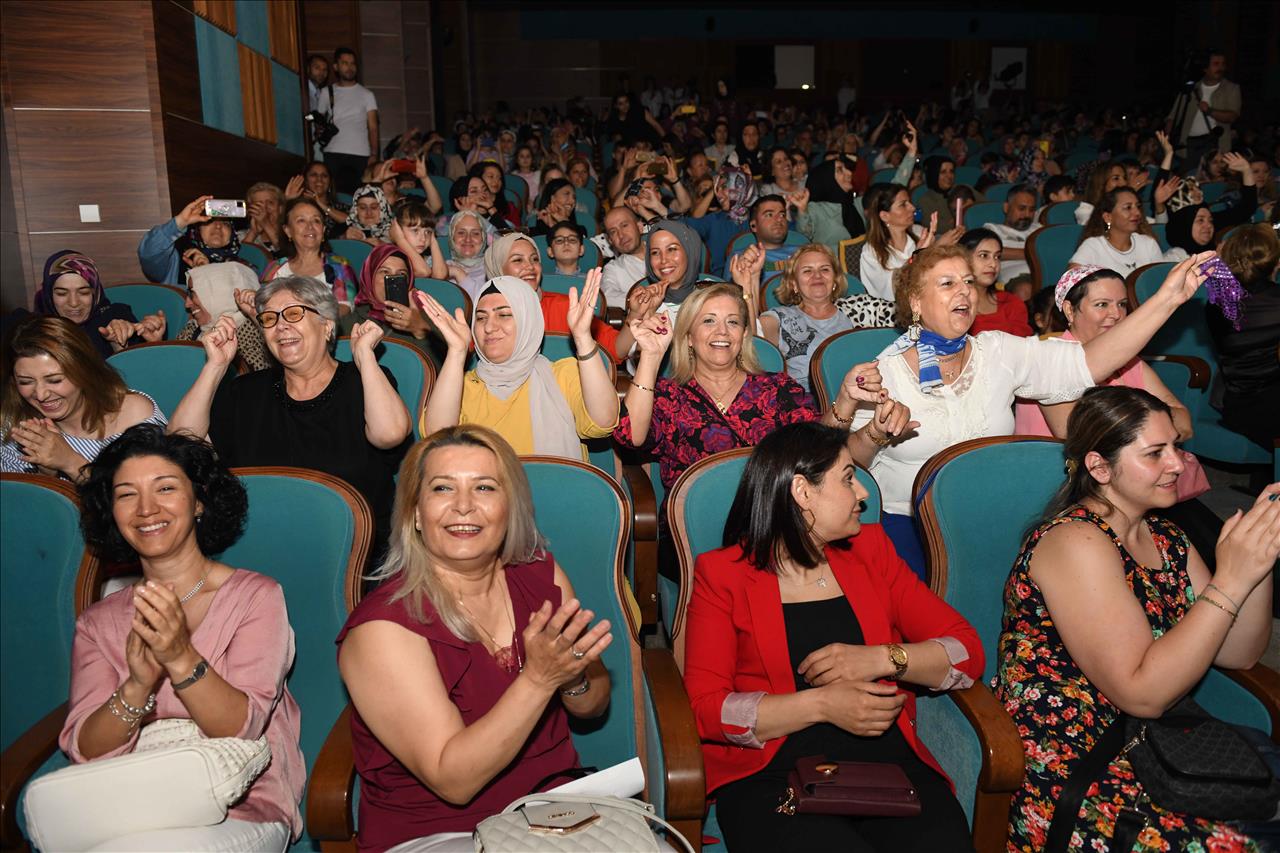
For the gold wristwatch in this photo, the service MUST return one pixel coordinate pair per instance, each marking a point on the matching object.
(897, 657)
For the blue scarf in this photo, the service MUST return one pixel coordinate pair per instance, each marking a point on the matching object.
(928, 348)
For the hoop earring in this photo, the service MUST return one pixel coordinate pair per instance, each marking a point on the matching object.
(913, 331)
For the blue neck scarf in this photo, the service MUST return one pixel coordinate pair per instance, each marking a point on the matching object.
(928, 348)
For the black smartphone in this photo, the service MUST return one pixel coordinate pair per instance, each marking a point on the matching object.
(397, 288)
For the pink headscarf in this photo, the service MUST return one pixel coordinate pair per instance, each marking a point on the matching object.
(1070, 279)
(366, 295)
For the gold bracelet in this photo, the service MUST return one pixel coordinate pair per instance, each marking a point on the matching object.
(844, 422)
(1219, 606)
(595, 349)
(871, 436)
(1229, 599)
(635, 384)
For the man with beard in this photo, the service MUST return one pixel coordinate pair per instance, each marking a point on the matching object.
(622, 227)
(1019, 223)
(356, 115)
(769, 224)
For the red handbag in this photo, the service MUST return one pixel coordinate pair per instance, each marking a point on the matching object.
(865, 789)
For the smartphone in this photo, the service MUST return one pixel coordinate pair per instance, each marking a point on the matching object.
(397, 288)
(403, 166)
(644, 156)
(225, 208)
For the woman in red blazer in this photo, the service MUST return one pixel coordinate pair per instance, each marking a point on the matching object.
(798, 630)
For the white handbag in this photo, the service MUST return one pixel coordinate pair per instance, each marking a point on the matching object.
(623, 827)
(174, 778)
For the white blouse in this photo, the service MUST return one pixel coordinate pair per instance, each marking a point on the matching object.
(877, 277)
(979, 403)
(1096, 250)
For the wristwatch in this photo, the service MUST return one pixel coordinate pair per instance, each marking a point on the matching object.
(202, 669)
(897, 657)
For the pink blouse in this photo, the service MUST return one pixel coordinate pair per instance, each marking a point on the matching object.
(1029, 420)
(246, 638)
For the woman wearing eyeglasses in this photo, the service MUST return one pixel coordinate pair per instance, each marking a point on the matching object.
(311, 411)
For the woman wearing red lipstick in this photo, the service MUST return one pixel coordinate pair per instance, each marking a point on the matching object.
(1102, 558)
(61, 402)
(1117, 235)
(466, 663)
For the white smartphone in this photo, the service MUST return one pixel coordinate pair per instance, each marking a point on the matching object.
(225, 208)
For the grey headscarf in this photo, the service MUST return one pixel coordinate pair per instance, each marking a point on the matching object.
(694, 251)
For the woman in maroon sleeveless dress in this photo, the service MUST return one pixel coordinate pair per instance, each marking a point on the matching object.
(464, 664)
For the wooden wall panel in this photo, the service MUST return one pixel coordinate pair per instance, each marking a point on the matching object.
(220, 13)
(73, 55)
(175, 54)
(204, 160)
(255, 90)
(283, 23)
(114, 252)
(328, 24)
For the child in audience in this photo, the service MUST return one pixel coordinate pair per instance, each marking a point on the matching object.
(413, 232)
(565, 245)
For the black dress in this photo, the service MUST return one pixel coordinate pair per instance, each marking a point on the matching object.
(254, 421)
(745, 808)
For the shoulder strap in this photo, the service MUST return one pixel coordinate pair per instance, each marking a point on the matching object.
(1090, 769)
(333, 107)
(636, 807)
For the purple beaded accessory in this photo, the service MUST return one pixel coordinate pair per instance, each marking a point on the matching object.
(1225, 289)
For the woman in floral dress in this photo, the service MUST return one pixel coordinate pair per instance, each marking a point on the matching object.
(1063, 676)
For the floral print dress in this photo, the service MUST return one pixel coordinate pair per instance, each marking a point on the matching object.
(1060, 714)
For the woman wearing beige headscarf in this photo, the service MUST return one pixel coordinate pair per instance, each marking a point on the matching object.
(516, 255)
(538, 406)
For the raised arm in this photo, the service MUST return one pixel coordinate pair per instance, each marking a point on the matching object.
(598, 393)
(653, 336)
(386, 420)
(434, 203)
(192, 414)
(445, 405)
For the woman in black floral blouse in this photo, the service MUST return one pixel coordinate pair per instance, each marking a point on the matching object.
(1120, 614)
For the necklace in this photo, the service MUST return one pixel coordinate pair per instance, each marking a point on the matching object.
(949, 375)
(199, 586)
(719, 399)
(506, 657)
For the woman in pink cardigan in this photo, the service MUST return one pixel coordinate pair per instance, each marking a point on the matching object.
(194, 640)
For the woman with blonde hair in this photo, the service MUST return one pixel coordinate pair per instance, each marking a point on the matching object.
(810, 285)
(466, 663)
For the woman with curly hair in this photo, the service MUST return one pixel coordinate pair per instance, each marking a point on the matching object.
(195, 640)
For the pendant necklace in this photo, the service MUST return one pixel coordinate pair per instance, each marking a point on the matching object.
(506, 657)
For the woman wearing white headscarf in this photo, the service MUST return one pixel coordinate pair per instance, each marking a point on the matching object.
(469, 235)
(537, 405)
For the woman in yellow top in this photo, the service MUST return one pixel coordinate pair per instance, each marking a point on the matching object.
(536, 405)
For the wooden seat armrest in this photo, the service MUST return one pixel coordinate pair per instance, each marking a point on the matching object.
(1264, 683)
(18, 764)
(1002, 759)
(644, 523)
(686, 782)
(331, 788)
(1198, 367)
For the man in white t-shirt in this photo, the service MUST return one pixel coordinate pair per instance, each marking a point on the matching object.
(622, 227)
(1019, 223)
(356, 116)
(1208, 111)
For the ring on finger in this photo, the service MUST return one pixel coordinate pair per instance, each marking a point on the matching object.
(579, 655)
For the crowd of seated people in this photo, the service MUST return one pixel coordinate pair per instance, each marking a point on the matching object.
(673, 246)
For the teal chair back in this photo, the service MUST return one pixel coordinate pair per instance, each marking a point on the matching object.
(556, 346)
(517, 185)
(855, 285)
(1076, 159)
(413, 371)
(769, 288)
(968, 175)
(833, 358)
(590, 256)
(1161, 237)
(42, 561)
(255, 256)
(883, 176)
(984, 213)
(1213, 190)
(448, 294)
(587, 201)
(696, 514)
(1049, 250)
(565, 494)
(996, 192)
(1061, 213)
(416, 192)
(443, 185)
(918, 193)
(588, 223)
(165, 370)
(557, 283)
(353, 251)
(343, 198)
(311, 532)
(770, 356)
(148, 298)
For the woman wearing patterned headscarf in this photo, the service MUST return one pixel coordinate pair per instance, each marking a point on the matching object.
(538, 406)
(1031, 169)
(371, 216)
(735, 190)
(71, 288)
(168, 250)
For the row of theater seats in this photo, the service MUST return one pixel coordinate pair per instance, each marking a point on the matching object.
(48, 578)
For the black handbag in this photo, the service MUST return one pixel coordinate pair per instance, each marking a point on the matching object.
(1187, 761)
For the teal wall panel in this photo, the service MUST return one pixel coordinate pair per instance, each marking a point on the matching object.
(251, 25)
(219, 64)
(285, 88)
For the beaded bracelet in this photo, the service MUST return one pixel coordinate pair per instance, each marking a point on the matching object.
(129, 721)
(635, 384)
(147, 708)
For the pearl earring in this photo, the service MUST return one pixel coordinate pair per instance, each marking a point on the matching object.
(913, 331)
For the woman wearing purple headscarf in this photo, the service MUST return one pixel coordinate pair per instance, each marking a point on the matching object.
(735, 190)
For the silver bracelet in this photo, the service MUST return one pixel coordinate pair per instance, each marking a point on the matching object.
(136, 712)
(579, 689)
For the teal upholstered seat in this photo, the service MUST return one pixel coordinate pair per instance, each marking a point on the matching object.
(968, 175)
(556, 346)
(148, 298)
(519, 186)
(443, 185)
(833, 358)
(448, 294)
(1061, 213)
(995, 192)
(256, 257)
(969, 560)
(353, 252)
(413, 371)
(984, 213)
(165, 370)
(1049, 250)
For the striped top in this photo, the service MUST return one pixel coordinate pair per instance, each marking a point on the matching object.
(11, 460)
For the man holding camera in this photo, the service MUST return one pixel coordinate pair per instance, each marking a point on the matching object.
(355, 115)
(1208, 110)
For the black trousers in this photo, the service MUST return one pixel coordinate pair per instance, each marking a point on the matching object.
(345, 170)
(746, 813)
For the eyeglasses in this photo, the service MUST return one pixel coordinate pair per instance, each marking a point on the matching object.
(292, 314)
(566, 241)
